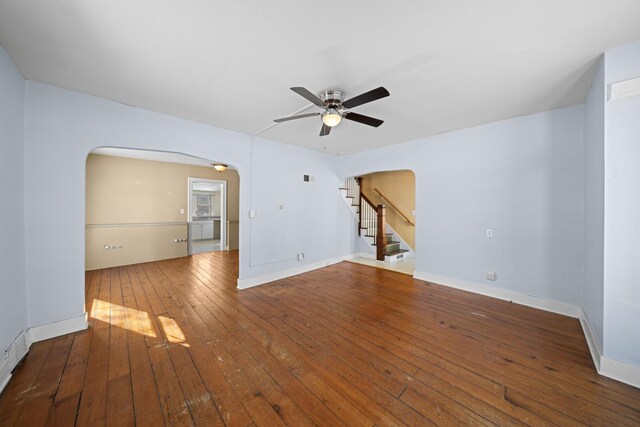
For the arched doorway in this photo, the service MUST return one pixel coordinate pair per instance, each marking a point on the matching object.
(139, 207)
(384, 206)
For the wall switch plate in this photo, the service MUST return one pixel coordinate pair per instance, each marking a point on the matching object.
(301, 256)
(252, 214)
(181, 211)
(491, 276)
(489, 233)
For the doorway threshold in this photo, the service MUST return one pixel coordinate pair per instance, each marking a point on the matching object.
(405, 266)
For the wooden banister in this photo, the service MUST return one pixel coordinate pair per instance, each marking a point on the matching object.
(359, 180)
(406, 218)
(381, 236)
(368, 200)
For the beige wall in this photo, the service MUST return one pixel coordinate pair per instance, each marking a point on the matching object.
(400, 188)
(121, 192)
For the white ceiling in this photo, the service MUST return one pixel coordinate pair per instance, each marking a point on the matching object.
(447, 64)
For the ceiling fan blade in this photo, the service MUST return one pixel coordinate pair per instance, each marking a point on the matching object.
(370, 96)
(325, 130)
(301, 116)
(362, 119)
(308, 95)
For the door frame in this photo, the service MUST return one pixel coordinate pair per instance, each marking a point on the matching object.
(223, 211)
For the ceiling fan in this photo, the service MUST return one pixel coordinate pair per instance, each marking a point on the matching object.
(335, 109)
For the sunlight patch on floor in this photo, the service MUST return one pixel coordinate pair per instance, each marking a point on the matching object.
(172, 331)
(123, 317)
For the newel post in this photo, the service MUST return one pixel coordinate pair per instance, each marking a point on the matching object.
(359, 179)
(381, 236)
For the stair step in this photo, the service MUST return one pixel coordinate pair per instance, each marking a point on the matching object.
(392, 247)
(396, 252)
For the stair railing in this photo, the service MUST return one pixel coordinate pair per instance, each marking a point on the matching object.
(352, 187)
(371, 217)
(381, 237)
(405, 217)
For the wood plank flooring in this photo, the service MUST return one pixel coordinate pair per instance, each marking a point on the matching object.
(175, 343)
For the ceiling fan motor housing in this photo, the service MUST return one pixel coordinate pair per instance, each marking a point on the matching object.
(332, 98)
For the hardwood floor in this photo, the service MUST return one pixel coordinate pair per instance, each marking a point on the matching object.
(175, 343)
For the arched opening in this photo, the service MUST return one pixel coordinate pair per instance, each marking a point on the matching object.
(384, 206)
(142, 208)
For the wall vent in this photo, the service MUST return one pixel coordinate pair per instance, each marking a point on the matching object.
(624, 89)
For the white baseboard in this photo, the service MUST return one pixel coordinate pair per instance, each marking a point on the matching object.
(628, 374)
(55, 329)
(261, 280)
(620, 371)
(365, 255)
(14, 354)
(592, 342)
(503, 294)
(20, 347)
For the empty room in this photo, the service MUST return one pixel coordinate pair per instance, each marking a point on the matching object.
(281, 214)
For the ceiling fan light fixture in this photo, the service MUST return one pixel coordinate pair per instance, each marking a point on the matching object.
(220, 167)
(331, 117)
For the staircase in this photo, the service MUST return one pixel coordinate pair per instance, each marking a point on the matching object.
(372, 227)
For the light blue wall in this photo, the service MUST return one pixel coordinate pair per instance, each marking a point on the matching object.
(522, 177)
(63, 127)
(593, 293)
(622, 212)
(13, 317)
(534, 180)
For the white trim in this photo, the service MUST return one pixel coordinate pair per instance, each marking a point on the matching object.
(592, 342)
(136, 224)
(503, 294)
(35, 334)
(260, 280)
(623, 89)
(223, 209)
(620, 371)
(366, 255)
(628, 374)
(56, 329)
(6, 366)
(11, 361)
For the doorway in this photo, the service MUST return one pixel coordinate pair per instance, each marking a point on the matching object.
(207, 222)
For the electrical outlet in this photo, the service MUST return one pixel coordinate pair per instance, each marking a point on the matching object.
(252, 214)
(491, 276)
(301, 256)
(489, 233)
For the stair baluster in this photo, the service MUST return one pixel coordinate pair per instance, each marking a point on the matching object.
(372, 219)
